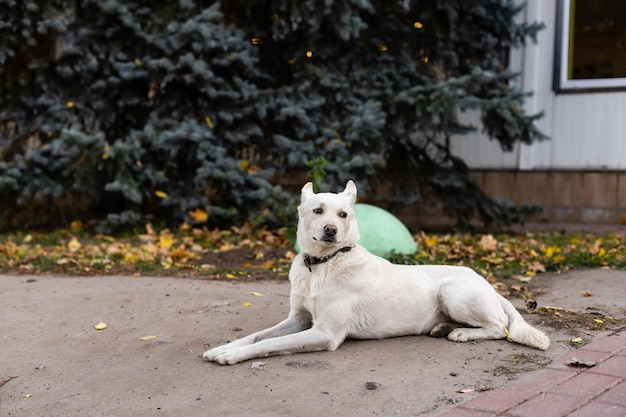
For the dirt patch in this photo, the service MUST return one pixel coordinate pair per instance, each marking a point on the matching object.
(582, 326)
(248, 264)
(517, 363)
(240, 257)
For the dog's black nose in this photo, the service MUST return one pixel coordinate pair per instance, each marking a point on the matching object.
(330, 230)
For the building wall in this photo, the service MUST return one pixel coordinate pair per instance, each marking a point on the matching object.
(587, 130)
(579, 175)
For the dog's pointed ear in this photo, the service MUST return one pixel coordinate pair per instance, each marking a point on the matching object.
(350, 191)
(307, 191)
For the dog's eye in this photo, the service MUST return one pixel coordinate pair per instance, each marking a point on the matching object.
(318, 210)
(343, 214)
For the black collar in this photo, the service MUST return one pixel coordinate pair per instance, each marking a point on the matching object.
(312, 260)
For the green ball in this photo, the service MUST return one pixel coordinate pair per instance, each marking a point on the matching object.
(382, 232)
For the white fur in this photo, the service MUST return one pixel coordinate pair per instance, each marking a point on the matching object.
(359, 295)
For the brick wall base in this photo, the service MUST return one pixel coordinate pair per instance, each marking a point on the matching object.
(567, 197)
(587, 199)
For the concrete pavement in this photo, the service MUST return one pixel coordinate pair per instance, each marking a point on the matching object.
(65, 367)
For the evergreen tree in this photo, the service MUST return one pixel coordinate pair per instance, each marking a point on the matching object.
(161, 108)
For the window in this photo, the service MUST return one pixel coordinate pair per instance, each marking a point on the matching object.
(591, 44)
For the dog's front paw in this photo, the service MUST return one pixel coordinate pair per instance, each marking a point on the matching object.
(224, 356)
(211, 354)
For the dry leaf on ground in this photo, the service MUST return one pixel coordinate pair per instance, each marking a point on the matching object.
(100, 326)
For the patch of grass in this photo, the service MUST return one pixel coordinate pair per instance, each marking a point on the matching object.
(508, 255)
(185, 252)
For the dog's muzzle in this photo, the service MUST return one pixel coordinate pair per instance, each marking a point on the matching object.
(330, 233)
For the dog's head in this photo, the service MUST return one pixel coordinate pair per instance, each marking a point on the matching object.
(326, 220)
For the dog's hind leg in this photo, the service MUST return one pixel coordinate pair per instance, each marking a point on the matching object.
(474, 306)
(466, 334)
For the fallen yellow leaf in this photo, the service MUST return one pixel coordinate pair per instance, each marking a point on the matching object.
(160, 194)
(130, 257)
(74, 245)
(27, 395)
(577, 340)
(257, 294)
(209, 122)
(148, 337)
(551, 250)
(101, 326)
(598, 321)
(269, 264)
(166, 242)
(430, 241)
(246, 304)
(181, 254)
(230, 276)
(226, 246)
(199, 215)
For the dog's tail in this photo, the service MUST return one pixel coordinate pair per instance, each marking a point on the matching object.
(521, 332)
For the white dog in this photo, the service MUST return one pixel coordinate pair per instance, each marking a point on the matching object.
(339, 290)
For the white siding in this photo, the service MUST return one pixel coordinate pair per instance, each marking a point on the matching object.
(537, 67)
(587, 130)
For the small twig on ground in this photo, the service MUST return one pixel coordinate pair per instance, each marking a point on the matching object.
(7, 379)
